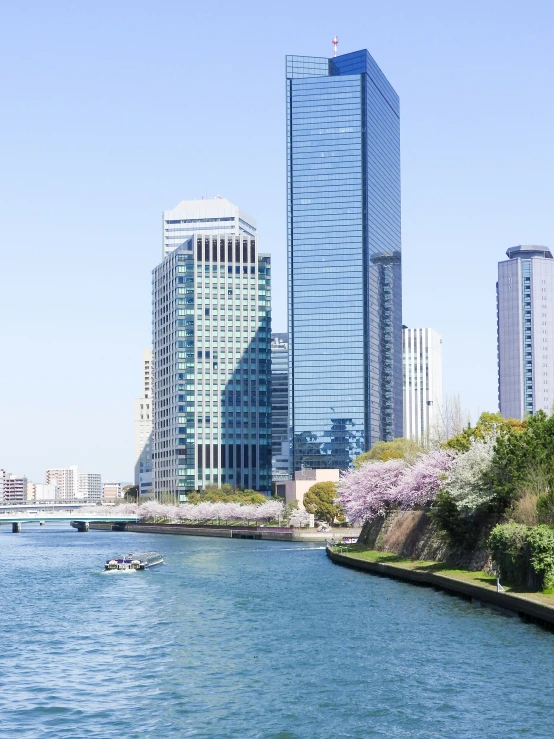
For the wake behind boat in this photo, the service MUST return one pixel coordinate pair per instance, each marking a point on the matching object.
(134, 561)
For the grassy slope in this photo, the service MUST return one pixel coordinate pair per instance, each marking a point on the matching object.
(481, 579)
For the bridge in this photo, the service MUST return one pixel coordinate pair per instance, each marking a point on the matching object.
(79, 522)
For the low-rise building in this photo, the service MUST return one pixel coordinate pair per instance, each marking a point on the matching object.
(111, 492)
(40, 491)
(293, 490)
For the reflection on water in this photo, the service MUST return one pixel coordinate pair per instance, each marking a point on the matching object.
(232, 638)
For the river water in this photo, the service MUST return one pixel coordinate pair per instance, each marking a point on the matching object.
(233, 638)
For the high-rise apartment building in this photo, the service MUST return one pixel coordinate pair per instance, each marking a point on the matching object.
(211, 352)
(75, 485)
(89, 487)
(280, 406)
(143, 429)
(344, 251)
(422, 360)
(66, 481)
(14, 488)
(525, 304)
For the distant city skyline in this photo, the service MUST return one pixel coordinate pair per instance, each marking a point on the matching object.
(90, 175)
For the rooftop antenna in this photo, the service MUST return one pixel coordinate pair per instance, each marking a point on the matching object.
(335, 44)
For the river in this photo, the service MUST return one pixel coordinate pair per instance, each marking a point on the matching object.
(250, 639)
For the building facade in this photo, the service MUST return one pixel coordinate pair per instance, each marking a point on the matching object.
(143, 429)
(66, 481)
(213, 216)
(14, 488)
(525, 306)
(422, 363)
(111, 492)
(89, 487)
(39, 491)
(344, 258)
(211, 355)
(280, 406)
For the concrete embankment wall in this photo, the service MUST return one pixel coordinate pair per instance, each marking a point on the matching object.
(227, 532)
(523, 607)
(413, 534)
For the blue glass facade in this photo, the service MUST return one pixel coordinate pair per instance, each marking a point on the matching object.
(345, 297)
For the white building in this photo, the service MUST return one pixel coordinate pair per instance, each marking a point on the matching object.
(75, 485)
(89, 487)
(65, 479)
(14, 488)
(525, 304)
(422, 371)
(143, 428)
(216, 215)
(40, 491)
(211, 352)
(111, 492)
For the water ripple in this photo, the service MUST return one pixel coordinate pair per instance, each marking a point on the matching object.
(260, 640)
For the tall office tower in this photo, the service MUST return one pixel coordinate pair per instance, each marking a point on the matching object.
(65, 479)
(15, 488)
(143, 429)
(422, 360)
(280, 406)
(211, 354)
(89, 487)
(525, 305)
(213, 216)
(345, 297)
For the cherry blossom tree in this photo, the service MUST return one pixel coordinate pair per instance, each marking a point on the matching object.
(421, 481)
(465, 481)
(370, 491)
(299, 518)
(376, 487)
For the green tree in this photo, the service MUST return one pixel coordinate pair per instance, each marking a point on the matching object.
(320, 500)
(523, 461)
(487, 423)
(382, 451)
(226, 494)
(131, 493)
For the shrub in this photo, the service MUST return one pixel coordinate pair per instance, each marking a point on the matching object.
(523, 551)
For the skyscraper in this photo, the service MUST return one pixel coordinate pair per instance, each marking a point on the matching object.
(422, 359)
(143, 428)
(525, 304)
(211, 352)
(280, 406)
(344, 258)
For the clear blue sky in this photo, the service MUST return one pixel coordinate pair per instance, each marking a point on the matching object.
(113, 111)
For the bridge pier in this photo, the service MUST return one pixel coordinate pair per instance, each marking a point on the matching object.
(81, 525)
(16, 527)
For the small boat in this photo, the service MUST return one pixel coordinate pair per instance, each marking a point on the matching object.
(134, 561)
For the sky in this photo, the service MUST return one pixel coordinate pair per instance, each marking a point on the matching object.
(114, 111)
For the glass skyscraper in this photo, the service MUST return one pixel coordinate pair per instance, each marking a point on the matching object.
(211, 298)
(344, 268)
